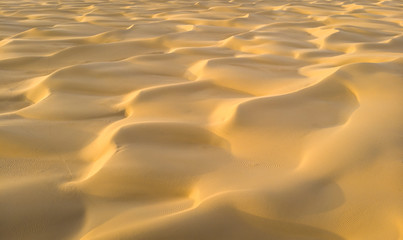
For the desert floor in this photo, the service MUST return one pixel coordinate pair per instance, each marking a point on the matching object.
(208, 120)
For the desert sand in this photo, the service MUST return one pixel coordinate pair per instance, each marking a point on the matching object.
(201, 120)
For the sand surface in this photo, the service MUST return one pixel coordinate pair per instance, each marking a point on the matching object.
(208, 120)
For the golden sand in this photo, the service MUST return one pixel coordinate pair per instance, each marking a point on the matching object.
(185, 120)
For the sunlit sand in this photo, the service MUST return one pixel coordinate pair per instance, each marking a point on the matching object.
(201, 120)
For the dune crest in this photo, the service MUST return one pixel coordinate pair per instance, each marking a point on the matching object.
(262, 119)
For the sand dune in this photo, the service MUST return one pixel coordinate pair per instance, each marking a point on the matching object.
(267, 119)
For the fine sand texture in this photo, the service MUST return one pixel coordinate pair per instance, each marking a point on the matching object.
(201, 120)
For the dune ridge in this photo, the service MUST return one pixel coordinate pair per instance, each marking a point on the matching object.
(237, 119)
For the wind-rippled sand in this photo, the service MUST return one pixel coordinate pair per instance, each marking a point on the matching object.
(185, 120)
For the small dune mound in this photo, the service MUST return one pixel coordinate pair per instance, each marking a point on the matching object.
(136, 170)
